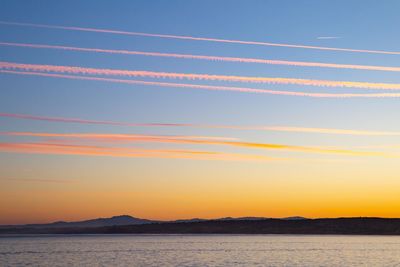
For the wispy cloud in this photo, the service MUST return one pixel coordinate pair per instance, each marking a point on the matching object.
(330, 131)
(76, 120)
(88, 150)
(127, 137)
(211, 58)
(236, 127)
(193, 140)
(194, 76)
(34, 180)
(328, 37)
(208, 87)
(193, 38)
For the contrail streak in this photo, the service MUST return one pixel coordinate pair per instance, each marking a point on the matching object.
(75, 120)
(328, 37)
(257, 128)
(40, 180)
(329, 131)
(193, 140)
(86, 150)
(193, 76)
(192, 38)
(208, 87)
(127, 137)
(209, 58)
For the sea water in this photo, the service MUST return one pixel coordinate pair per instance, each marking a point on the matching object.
(199, 250)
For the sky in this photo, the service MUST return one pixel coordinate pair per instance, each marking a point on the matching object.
(181, 109)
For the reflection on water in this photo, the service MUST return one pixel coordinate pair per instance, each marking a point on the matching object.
(199, 250)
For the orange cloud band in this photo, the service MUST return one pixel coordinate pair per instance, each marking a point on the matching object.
(85, 150)
(208, 87)
(192, 38)
(209, 58)
(263, 128)
(193, 76)
(193, 140)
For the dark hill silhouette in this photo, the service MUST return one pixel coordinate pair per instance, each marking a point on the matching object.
(112, 221)
(341, 226)
(126, 220)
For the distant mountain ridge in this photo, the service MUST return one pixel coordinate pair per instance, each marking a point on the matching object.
(246, 225)
(99, 222)
(129, 220)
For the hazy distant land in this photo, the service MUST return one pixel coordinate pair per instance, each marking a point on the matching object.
(247, 225)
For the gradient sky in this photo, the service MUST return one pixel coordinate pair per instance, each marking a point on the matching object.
(69, 151)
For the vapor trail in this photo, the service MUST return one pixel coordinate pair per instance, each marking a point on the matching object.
(40, 180)
(194, 76)
(329, 131)
(207, 87)
(76, 120)
(209, 58)
(127, 137)
(193, 140)
(89, 150)
(192, 38)
(257, 128)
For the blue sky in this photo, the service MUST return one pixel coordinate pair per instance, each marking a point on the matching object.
(360, 24)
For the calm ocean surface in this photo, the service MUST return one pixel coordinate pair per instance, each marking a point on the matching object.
(199, 250)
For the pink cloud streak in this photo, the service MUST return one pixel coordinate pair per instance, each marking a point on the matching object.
(193, 140)
(236, 127)
(208, 87)
(86, 150)
(210, 58)
(192, 38)
(193, 76)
